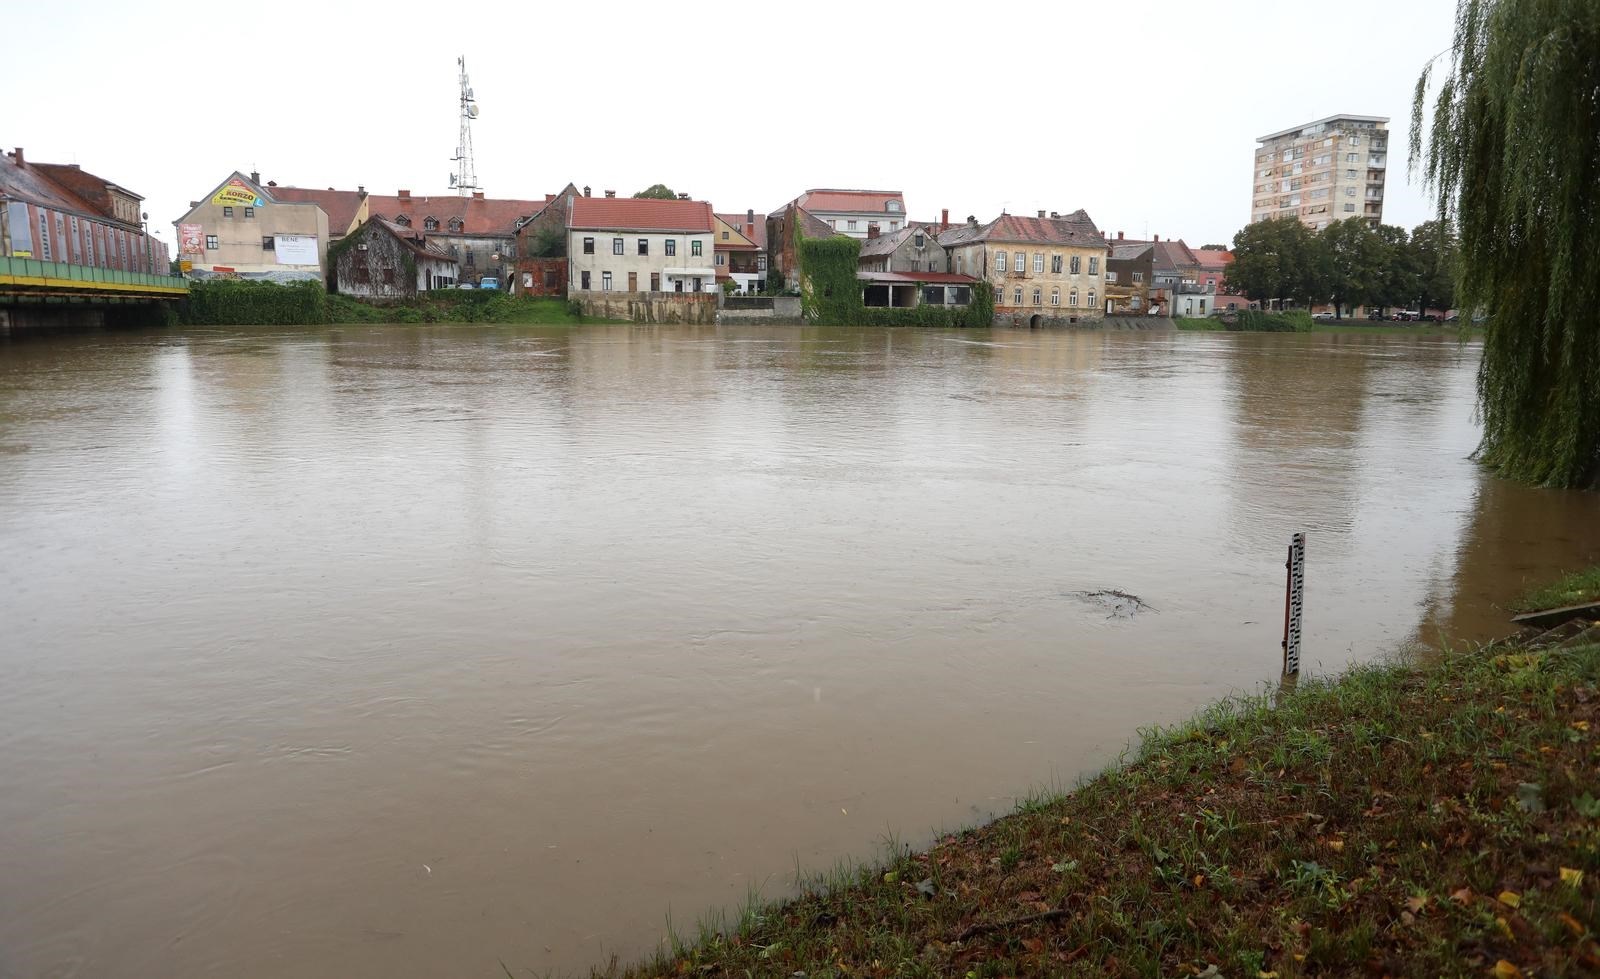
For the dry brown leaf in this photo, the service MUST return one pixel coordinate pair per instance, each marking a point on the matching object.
(1505, 970)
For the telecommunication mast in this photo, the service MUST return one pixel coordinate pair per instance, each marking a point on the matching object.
(465, 179)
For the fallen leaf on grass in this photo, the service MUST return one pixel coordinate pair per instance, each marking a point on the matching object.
(1573, 924)
(1505, 928)
(1510, 899)
(1416, 904)
(1573, 877)
(1463, 896)
(1505, 970)
(1033, 944)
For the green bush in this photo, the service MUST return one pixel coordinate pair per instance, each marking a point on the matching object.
(1256, 321)
(236, 302)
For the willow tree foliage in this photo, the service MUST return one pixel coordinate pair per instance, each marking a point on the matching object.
(1514, 158)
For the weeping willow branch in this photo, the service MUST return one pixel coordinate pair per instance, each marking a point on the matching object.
(1513, 157)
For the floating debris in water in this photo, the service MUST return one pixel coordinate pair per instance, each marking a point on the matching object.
(1118, 604)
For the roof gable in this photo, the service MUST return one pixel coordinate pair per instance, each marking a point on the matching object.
(859, 201)
(640, 214)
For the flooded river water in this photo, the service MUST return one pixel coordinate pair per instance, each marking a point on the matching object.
(405, 651)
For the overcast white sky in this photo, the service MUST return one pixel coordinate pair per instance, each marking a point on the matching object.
(1144, 112)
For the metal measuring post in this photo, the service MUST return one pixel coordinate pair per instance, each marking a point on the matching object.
(1294, 596)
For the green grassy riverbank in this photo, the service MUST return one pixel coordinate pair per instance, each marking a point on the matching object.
(1404, 820)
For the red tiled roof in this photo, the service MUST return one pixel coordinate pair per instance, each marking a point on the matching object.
(479, 216)
(340, 206)
(1211, 258)
(639, 214)
(414, 241)
(1069, 229)
(864, 201)
(932, 278)
(33, 182)
(759, 236)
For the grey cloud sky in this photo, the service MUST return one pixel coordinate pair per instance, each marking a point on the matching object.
(1144, 112)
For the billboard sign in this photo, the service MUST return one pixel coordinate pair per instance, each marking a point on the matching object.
(236, 192)
(295, 249)
(21, 229)
(191, 239)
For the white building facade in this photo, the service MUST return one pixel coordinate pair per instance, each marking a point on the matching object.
(640, 245)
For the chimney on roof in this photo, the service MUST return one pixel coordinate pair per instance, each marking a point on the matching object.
(872, 230)
(1054, 214)
(972, 221)
(611, 194)
(750, 216)
(361, 189)
(683, 197)
(1041, 213)
(405, 198)
(586, 190)
(272, 183)
(944, 219)
(16, 156)
(1119, 236)
(1155, 237)
(255, 177)
(477, 195)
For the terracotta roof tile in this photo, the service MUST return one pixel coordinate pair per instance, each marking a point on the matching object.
(864, 201)
(738, 221)
(639, 214)
(478, 216)
(1070, 229)
(341, 206)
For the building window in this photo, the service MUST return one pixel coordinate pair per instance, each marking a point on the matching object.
(1091, 299)
(721, 258)
(1349, 207)
(455, 224)
(1094, 265)
(1111, 276)
(1055, 264)
(585, 280)
(1072, 298)
(644, 246)
(999, 261)
(1077, 266)
(1016, 296)
(605, 281)
(430, 224)
(1055, 297)
(616, 246)
(655, 281)
(1038, 262)
(850, 226)
(249, 212)
(694, 247)
(917, 240)
(672, 246)
(403, 221)
(1349, 192)
(227, 212)
(1350, 157)
(211, 243)
(724, 236)
(1038, 296)
(267, 243)
(588, 246)
(832, 223)
(388, 277)
(892, 206)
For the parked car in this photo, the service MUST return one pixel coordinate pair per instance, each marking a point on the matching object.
(1322, 317)
(488, 282)
(465, 285)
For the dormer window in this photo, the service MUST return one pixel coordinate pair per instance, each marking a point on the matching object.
(402, 221)
(430, 224)
(455, 224)
(894, 206)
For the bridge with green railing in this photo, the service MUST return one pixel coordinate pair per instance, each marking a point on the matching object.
(30, 280)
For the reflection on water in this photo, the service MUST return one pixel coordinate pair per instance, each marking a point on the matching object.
(401, 651)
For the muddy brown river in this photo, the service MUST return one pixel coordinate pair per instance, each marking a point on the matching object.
(407, 651)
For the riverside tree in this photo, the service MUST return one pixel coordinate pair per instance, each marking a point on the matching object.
(1513, 156)
(1277, 259)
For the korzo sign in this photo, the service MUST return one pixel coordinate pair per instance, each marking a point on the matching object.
(236, 192)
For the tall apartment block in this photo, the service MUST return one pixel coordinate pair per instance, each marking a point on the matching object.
(1323, 171)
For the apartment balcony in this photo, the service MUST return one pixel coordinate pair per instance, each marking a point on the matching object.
(1377, 165)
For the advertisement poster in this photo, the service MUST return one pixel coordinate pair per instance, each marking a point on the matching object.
(21, 229)
(235, 192)
(295, 249)
(191, 239)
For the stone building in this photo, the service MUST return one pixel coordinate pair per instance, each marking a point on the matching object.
(639, 245)
(1045, 270)
(243, 227)
(384, 260)
(783, 227)
(480, 232)
(914, 248)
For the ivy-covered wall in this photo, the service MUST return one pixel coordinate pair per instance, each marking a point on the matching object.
(233, 302)
(830, 293)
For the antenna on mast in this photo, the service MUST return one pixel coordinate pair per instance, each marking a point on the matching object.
(465, 180)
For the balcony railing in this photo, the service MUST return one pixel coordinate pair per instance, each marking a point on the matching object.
(88, 278)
